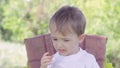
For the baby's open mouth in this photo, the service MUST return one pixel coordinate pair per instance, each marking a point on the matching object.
(61, 50)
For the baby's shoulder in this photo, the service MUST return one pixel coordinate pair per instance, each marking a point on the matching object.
(87, 56)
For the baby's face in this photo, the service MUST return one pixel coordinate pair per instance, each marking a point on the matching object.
(65, 44)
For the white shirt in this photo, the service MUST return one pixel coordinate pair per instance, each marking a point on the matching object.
(82, 59)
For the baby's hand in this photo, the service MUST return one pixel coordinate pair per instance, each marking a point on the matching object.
(45, 60)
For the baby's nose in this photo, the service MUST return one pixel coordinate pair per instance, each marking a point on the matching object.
(59, 44)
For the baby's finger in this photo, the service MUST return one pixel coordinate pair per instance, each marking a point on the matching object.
(46, 58)
(45, 54)
(47, 61)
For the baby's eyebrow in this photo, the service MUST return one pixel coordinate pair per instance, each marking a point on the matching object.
(53, 37)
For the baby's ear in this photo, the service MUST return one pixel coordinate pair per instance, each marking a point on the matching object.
(81, 38)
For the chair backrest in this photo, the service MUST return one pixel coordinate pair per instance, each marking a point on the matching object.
(37, 46)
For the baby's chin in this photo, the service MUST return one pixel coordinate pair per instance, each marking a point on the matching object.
(64, 54)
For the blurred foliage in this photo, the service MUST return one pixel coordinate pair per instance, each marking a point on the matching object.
(107, 64)
(12, 55)
(21, 19)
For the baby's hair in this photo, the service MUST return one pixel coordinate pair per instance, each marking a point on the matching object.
(68, 17)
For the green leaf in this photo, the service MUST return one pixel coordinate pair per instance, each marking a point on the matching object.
(108, 65)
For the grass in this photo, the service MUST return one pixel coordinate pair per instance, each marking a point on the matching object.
(12, 55)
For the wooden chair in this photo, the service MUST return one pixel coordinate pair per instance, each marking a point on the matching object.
(37, 46)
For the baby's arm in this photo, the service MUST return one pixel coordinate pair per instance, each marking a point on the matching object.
(45, 60)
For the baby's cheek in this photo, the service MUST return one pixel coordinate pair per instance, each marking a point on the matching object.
(55, 46)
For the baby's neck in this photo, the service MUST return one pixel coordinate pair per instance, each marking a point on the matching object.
(77, 50)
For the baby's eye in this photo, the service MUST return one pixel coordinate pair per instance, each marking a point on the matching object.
(55, 39)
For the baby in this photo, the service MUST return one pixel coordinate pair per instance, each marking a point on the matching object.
(67, 26)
